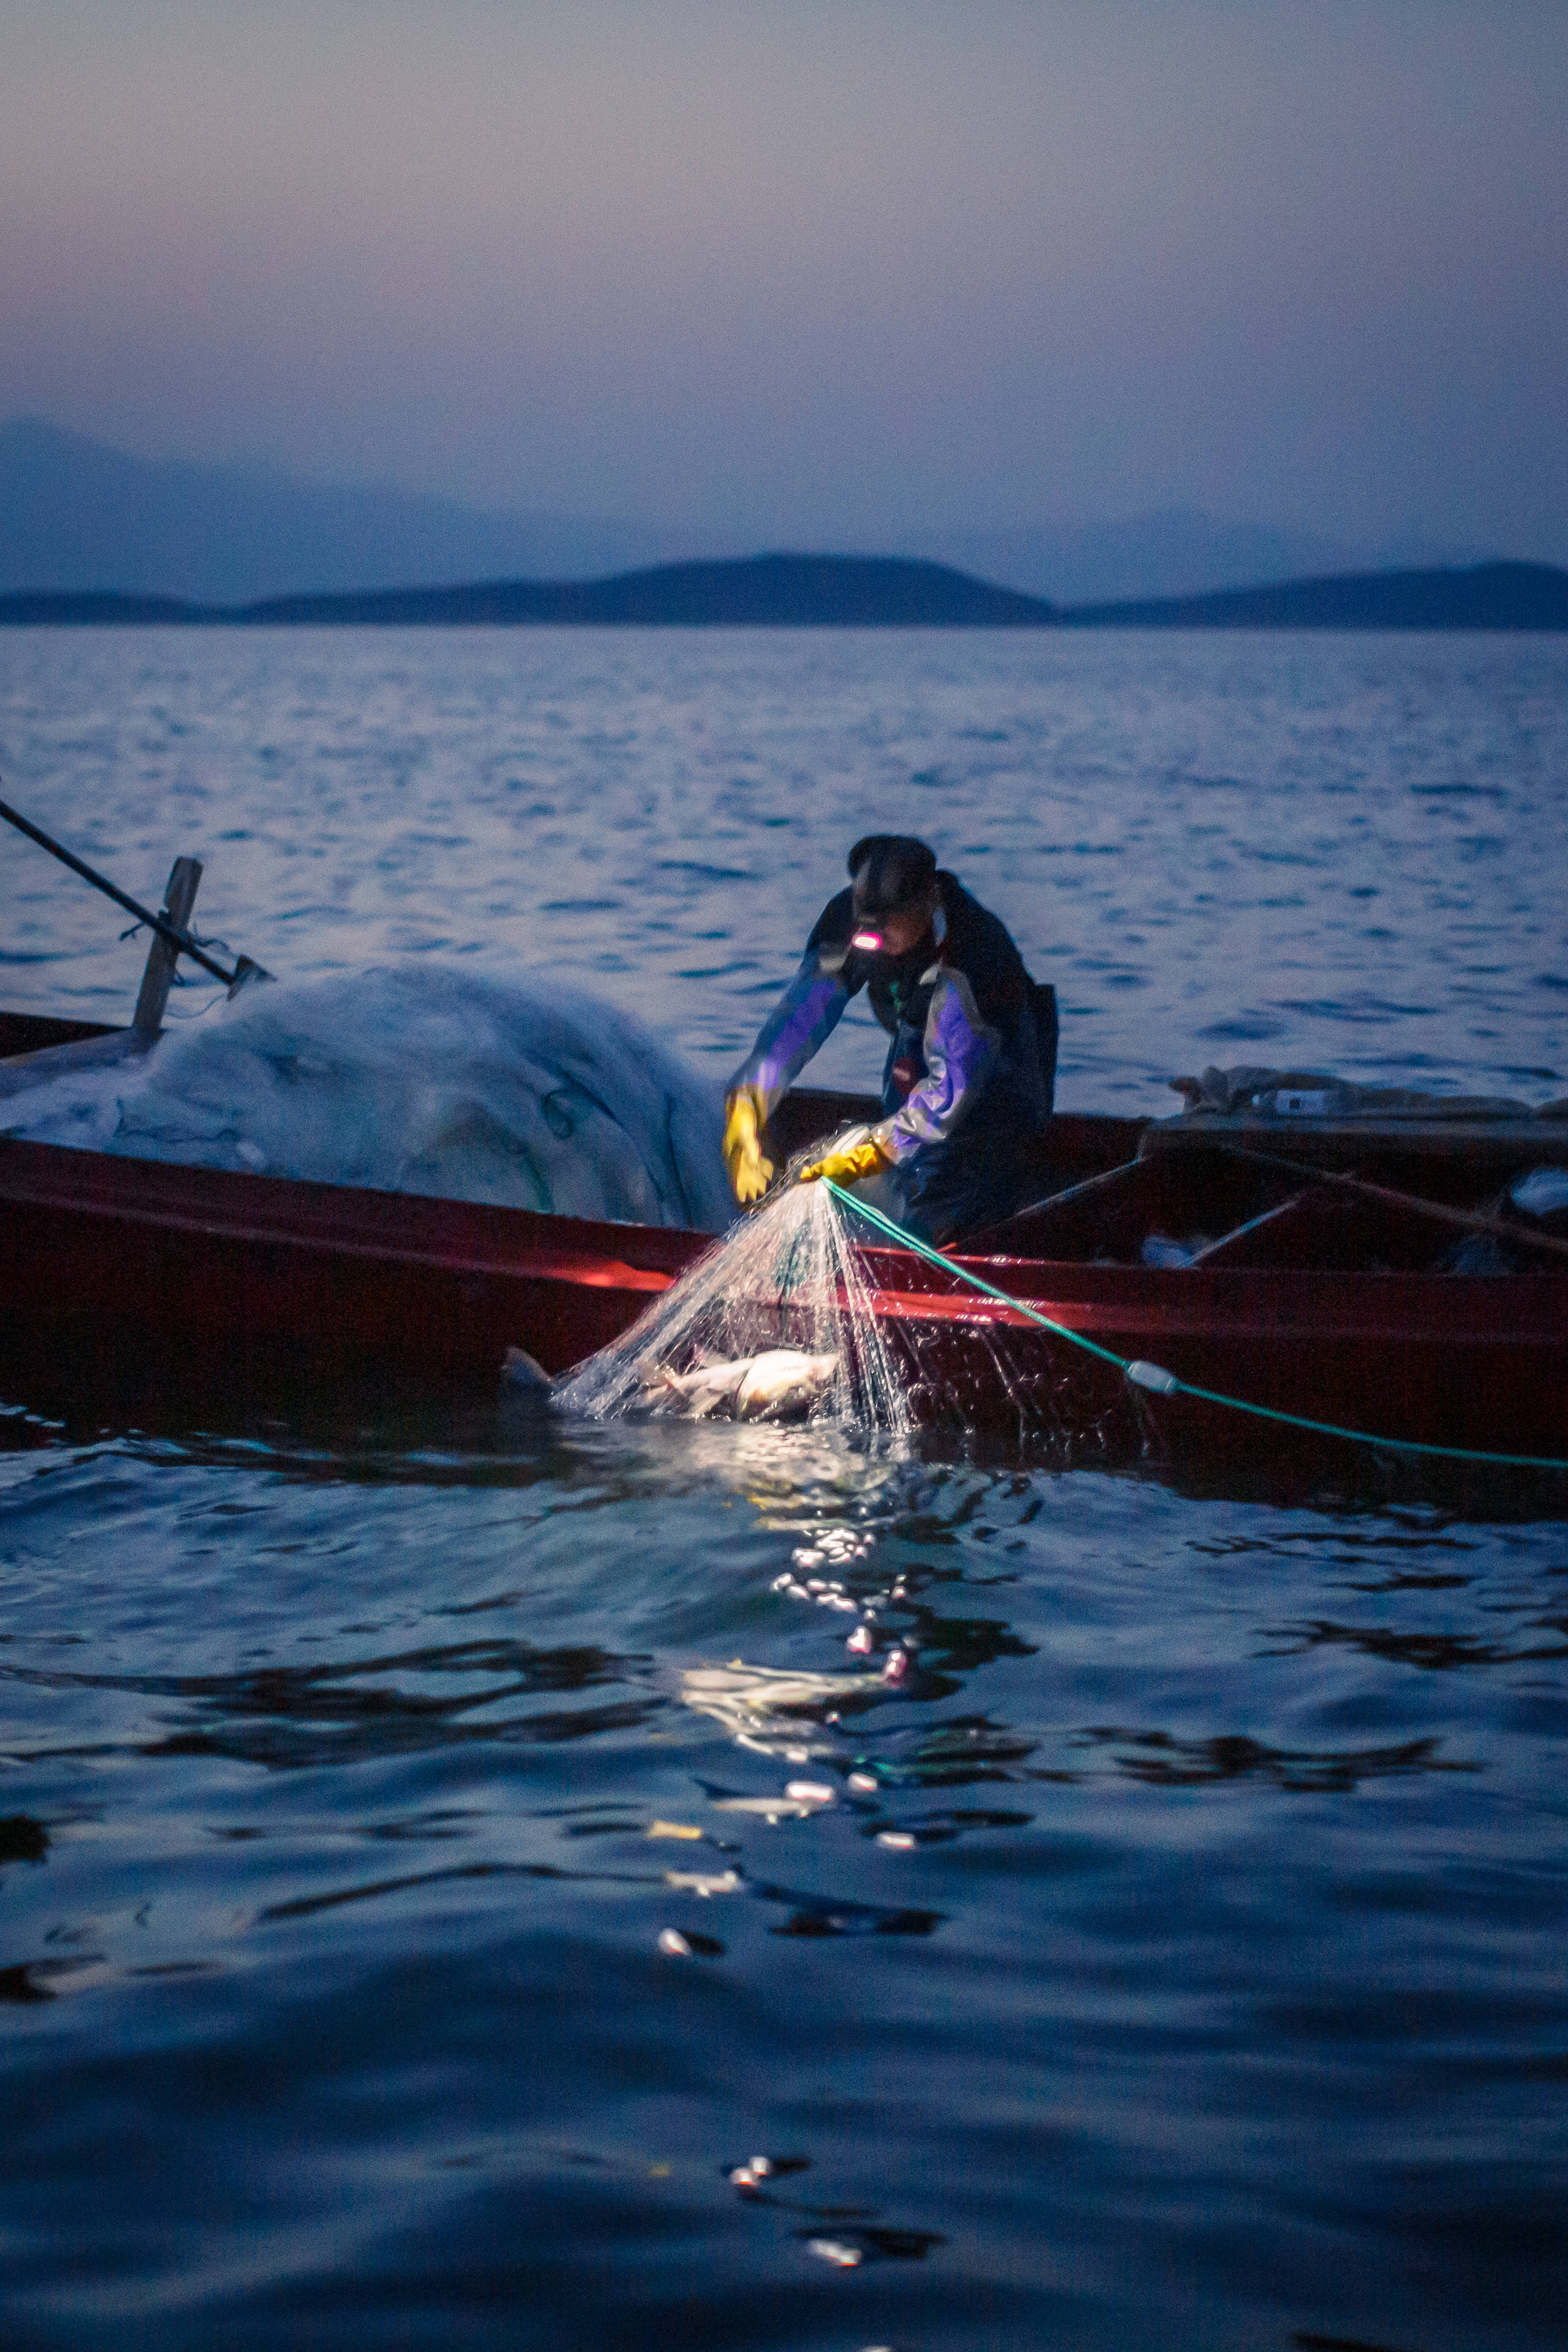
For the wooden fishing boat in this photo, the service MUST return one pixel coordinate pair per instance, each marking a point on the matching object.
(1370, 1273)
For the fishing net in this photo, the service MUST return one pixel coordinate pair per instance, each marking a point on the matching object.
(415, 1077)
(783, 1295)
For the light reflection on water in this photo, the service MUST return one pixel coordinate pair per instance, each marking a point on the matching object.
(1176, 1956)
(1190, 1911)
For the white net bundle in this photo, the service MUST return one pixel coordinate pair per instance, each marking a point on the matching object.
(415, 1077)
(775, 1323)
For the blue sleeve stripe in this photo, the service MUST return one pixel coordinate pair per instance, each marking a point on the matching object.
(961, 1053)
(804, 1018)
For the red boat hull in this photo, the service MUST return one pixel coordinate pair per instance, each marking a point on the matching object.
(101, 1254)
(108, 1265)
(1443, 1360)
(119, 1273)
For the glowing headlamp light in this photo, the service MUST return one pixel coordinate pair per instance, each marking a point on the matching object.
(869, 943)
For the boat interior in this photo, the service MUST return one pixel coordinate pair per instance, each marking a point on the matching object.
(1404, 1195)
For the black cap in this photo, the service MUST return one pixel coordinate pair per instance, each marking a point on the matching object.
(891, 871)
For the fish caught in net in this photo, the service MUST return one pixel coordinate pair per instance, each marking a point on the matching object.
(775, 1323)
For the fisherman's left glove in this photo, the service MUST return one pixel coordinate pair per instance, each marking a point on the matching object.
(865, 1158)
(750, 1172)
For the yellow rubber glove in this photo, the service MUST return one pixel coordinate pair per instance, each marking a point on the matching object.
(856, 1160)
(750, 1172)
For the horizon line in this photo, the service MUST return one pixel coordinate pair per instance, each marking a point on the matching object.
(807, 588)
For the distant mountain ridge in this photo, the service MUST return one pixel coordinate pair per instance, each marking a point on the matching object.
(1172, 552)
(77, 515)
(1481, 596)
(779, 591)
(785, 591)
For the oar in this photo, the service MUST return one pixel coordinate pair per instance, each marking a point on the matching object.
(1475, 1220)
(244, 970)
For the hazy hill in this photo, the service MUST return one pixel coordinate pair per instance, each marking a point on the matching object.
(1176, 551)
(761, 592)
(1484, 596)
(777, 591)
(74, 514)
(855, 591)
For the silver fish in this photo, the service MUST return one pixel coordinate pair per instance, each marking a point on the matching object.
(774, 1386)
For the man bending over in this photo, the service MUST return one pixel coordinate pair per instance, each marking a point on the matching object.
(971, 1064)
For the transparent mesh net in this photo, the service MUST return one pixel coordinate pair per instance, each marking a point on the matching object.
(786, 1284)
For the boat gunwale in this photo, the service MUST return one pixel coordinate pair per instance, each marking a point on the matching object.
(221, 1206)
(489, 1242)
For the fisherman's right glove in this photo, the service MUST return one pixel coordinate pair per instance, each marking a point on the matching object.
(750, 1172)
(849, 1162)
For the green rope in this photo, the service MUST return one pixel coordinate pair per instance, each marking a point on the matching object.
(1166, 1383)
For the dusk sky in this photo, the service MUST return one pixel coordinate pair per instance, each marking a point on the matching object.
(833, 273)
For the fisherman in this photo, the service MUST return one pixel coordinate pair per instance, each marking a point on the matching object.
(971, 1067)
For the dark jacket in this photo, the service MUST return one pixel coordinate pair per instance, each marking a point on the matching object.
(974, 1037)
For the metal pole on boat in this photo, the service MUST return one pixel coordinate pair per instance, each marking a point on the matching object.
(178, 938)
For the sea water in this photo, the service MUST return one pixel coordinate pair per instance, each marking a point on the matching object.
(489, 1877)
